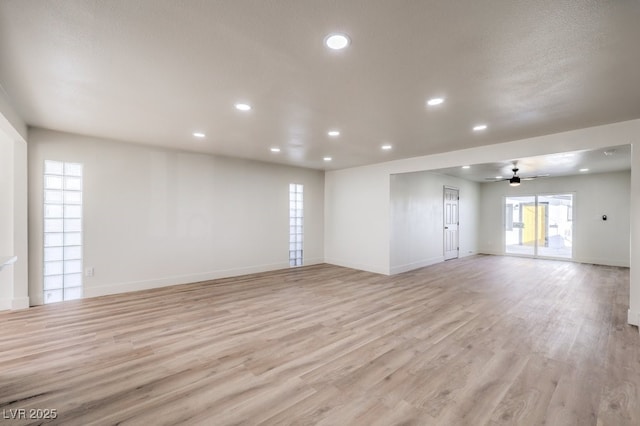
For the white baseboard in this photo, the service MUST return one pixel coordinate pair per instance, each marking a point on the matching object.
(416, 265)
(315, 261)
(594, 261)
(604, 262)
(14, 304)
(103, 290)
(491, 252)
(20, 303)
(5, 304)
(633, 318)
(362, 267)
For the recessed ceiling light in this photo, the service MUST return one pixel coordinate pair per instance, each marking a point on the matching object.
(337, 41)
(199, 134)
(243, 107)
(498, 177)
(466, 167)
(479, 127)
(333, 133)
(327, 158)
(435, 101)
(275, 149)
(584, 170)
(386, 147)
(609, 152)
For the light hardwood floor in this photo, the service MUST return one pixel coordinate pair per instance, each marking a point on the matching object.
(480, 340)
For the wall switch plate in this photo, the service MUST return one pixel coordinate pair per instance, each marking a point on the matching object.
(88, 272)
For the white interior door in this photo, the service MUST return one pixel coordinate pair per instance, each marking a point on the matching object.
(451, 223)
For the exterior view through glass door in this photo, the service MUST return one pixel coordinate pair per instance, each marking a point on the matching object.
(539, 225)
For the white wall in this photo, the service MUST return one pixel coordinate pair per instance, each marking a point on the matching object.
(417, 219)
(366, 244)
(20, 226)
(357, 219)
(594, 240)
(634, 294)
(12, 124)
(155, 217)
(13, 207)
(6, 218)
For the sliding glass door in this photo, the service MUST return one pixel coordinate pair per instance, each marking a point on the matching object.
(539, 225)
(520, 225)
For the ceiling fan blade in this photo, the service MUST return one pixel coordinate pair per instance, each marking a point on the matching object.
(495, 180)
(534, 177)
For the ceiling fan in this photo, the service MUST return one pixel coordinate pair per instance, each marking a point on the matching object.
(515, 179)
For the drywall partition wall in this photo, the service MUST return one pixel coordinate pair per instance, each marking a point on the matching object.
(594, 240)
(372, 252)
(20, 226)
(155, 217)
(10, 122)
(634, 296)
(13, 207)
(417, 219)
(13, 222)
(357, 222)
(6, 218)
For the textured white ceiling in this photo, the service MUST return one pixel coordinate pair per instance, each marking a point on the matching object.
(154, 71)
(618, 158)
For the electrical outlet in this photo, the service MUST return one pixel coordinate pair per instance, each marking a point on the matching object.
(88, 272)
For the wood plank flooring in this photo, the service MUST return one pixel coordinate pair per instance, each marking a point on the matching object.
(480, 340)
